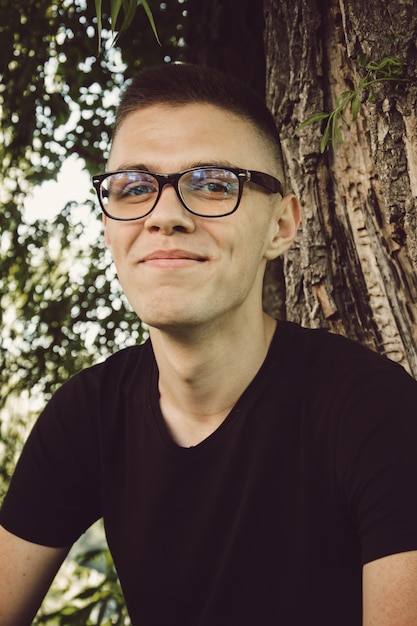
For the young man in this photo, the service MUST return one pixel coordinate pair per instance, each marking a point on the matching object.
(248, 472)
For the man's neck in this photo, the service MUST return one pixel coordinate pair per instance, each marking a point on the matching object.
(202, 375)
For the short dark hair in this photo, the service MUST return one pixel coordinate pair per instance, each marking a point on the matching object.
(186, 83)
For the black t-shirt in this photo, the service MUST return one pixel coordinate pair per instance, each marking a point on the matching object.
(267, 521)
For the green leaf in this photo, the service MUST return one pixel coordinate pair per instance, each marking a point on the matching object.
(372, 95)
(317, 117)
(343, 99)
(336, 134)
(347, 104)
(98, 4)
(355, 106)
(148, 12)
(116, 5)
(389, 66)
(129, 7)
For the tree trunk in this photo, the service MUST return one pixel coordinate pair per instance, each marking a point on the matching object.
(228, 36)
(353, 267)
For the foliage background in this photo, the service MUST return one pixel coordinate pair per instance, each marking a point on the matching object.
(61, 306)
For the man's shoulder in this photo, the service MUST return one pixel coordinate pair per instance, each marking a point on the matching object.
(125, 358)
(325, 353)
(122, 369)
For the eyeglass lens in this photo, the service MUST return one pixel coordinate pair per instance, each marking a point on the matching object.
(206, 191)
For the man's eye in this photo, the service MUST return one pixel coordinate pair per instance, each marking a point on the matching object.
(213, 188)
(216, 186)
(128, 188)
(137, 190)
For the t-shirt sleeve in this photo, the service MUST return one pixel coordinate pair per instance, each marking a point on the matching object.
(54, 495)
(377, 460)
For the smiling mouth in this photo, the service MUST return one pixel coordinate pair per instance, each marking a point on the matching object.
(172, 259)
(172, 256)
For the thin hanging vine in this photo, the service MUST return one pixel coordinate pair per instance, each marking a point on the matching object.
(389, 69)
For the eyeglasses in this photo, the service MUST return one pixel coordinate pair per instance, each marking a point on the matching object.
(207, 191)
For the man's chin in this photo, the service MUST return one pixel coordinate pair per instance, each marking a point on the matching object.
(166, 316)
(183, 323)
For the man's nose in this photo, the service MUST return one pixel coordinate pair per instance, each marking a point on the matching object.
(169, 214)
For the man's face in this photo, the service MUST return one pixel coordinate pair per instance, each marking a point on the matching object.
(179, 270)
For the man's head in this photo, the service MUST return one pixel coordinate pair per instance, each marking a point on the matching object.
(179, 84)
(184, 256)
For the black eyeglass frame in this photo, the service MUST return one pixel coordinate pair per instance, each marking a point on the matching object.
(266, 181)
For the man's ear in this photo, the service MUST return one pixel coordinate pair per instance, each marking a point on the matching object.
(287, 217)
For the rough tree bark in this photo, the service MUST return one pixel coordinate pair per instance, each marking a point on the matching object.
(353, 269)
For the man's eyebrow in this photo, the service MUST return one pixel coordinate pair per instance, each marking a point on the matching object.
(132, 166)
(149, 167)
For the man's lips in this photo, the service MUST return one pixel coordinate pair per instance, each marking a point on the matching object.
(174, 258)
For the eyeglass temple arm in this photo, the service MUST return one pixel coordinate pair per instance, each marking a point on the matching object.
(265, 180)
